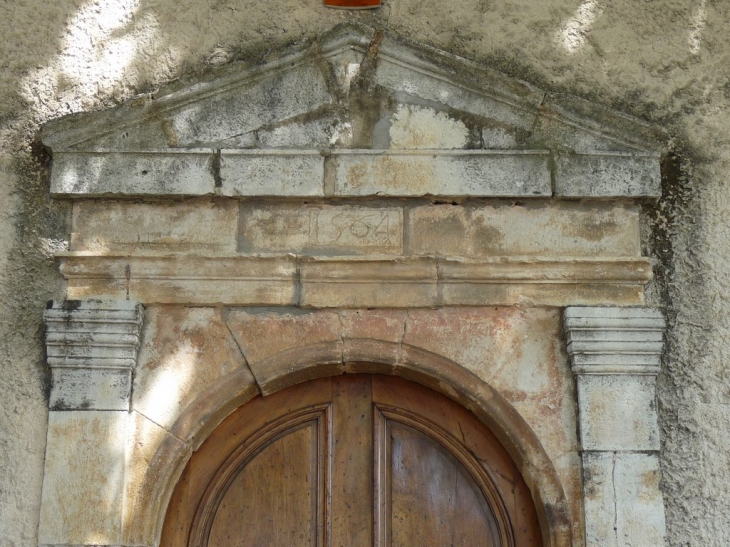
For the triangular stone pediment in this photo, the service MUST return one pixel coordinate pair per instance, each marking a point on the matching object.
(353, 90)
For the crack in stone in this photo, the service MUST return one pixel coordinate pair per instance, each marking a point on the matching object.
(615, 506)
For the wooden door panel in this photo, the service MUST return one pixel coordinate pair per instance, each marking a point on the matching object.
(434, 500)
(351, 461)
(273, 499)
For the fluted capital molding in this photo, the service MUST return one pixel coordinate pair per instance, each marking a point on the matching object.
(605, 340)
(92, 348)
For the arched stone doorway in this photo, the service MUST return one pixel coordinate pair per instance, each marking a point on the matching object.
(362, 205)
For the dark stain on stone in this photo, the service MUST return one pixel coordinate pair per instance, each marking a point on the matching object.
(487, 239)
(70, 305)
(592, 230)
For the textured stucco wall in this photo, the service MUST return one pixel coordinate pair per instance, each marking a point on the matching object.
(667, 61)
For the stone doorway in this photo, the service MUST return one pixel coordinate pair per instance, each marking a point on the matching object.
(361, 204)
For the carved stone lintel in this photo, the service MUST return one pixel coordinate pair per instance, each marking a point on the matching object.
(92, 348)
(615, 356)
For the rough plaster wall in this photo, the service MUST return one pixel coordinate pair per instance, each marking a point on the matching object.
(665, 60)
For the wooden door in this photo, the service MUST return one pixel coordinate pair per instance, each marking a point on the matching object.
(351, 461)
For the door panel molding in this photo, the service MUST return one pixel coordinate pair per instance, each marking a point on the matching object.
(383, 416)
(320, 417)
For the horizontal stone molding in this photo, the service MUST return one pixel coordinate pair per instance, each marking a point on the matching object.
(614, 340)
(91, 348)
(416, 281)
(180, 278)
(353, 173)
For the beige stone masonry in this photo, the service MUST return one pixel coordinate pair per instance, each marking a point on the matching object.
(392, 227)
(400, 283)
(301, 173)
(84, 478)
(609, 174)
(272, 173)
(532, 229)
(159, 172)
(104, 226)
(259, 131)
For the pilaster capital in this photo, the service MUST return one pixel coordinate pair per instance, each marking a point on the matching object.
(92, 348)
(606, 340)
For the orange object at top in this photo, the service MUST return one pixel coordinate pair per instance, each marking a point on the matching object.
(352, 4)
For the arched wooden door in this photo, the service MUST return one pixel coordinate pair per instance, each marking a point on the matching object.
(351, 461)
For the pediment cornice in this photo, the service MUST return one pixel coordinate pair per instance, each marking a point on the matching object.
(314, 77)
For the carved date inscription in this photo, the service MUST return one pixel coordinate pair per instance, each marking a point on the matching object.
(355, 227)
(322, 229)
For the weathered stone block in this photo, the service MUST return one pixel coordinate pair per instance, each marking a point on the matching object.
(599, 502)
(607, 175)
(639, 505)
(90, 389)
(618, 412)
(272, 173)
(368, 283)
(623, 504)
(264, 333)
(548, 282)
(114, 226)
(413, 127)
(83, 486)
(448, 173)
(320, 229)
(614, 340)
(564, 230)
(405, 71)
(165, 172)
(185, 350)
(319, 133)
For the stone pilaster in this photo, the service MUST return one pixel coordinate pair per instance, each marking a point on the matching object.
(615, 356)
(92, 349)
